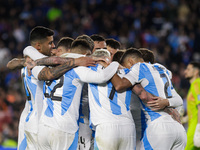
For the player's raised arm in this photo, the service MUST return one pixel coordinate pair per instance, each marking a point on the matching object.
(16, 63)
(55, 72)
(120, 84)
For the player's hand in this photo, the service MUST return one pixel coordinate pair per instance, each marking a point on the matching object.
(85, 61)
(196, 138)
(173, 113)
(158, 103)
(30, 64)
(121, 67)
(104, 61)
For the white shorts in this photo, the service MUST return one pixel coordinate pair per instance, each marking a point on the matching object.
(53, 139)
(163, 134)
(85, 137)
(115, 137)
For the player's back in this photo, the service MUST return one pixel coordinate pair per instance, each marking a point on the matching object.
(161, 127)
(107, 105)
(156, 80)
(61, 102)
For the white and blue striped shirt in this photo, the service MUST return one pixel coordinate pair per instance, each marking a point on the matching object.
(107, 105)
(35, 88)
(62, 96)
(155, 79)
(34, 93)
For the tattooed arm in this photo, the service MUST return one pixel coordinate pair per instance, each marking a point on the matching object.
(55, 72)
(174, 113)
(142, 93)
(16, 63)
(147, 97)
(51, 61)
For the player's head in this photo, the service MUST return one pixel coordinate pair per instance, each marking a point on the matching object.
(131, 57)
(63, 46)
(192, 71)
(112, 46)
(80, 46)
(147, 55)
(99, 42)
(102, 53)
(88, 39)
(118, 55)
(42, 39)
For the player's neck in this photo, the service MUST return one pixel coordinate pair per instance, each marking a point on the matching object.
(193, 78)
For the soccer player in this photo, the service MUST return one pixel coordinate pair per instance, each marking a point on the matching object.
(110, 115)
(99, 42)
(147, 55)
(192, 73)
(66, 45)
(162, 131)
(86, 135)
(117, 56)
(89, 40)
(58, 124)
(40, 38)
(28, 122)
(112, 46)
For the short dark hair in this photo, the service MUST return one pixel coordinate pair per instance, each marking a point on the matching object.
(113, 43)
(147, 55)
(65, 42)
(96, 37)
(118, 55)
(195, 64)
(40, 33)
(80, 45)
(131, 52)
(88, 39)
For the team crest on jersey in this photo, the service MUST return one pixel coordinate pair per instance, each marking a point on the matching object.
(198, 97)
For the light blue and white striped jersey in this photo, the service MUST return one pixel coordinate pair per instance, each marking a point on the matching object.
(108, 105)
(34, 54)
(22, 142)
(34, 93)
(62, 96)
(155, 79)
(61, 103)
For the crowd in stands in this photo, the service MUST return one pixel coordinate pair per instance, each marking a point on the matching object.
(170, 28)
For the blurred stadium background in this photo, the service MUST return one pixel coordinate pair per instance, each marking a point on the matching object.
(170, 28)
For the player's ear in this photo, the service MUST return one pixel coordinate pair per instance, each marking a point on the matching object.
(38, 46)
(130, 61)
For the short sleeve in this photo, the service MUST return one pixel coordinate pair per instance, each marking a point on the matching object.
(133, 75)
(36, 70)
(33, 53)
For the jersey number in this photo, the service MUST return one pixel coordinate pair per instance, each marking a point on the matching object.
(166, 87)
(28, 94)
(51, 95)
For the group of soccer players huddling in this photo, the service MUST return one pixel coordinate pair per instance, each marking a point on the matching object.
(87, 93)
